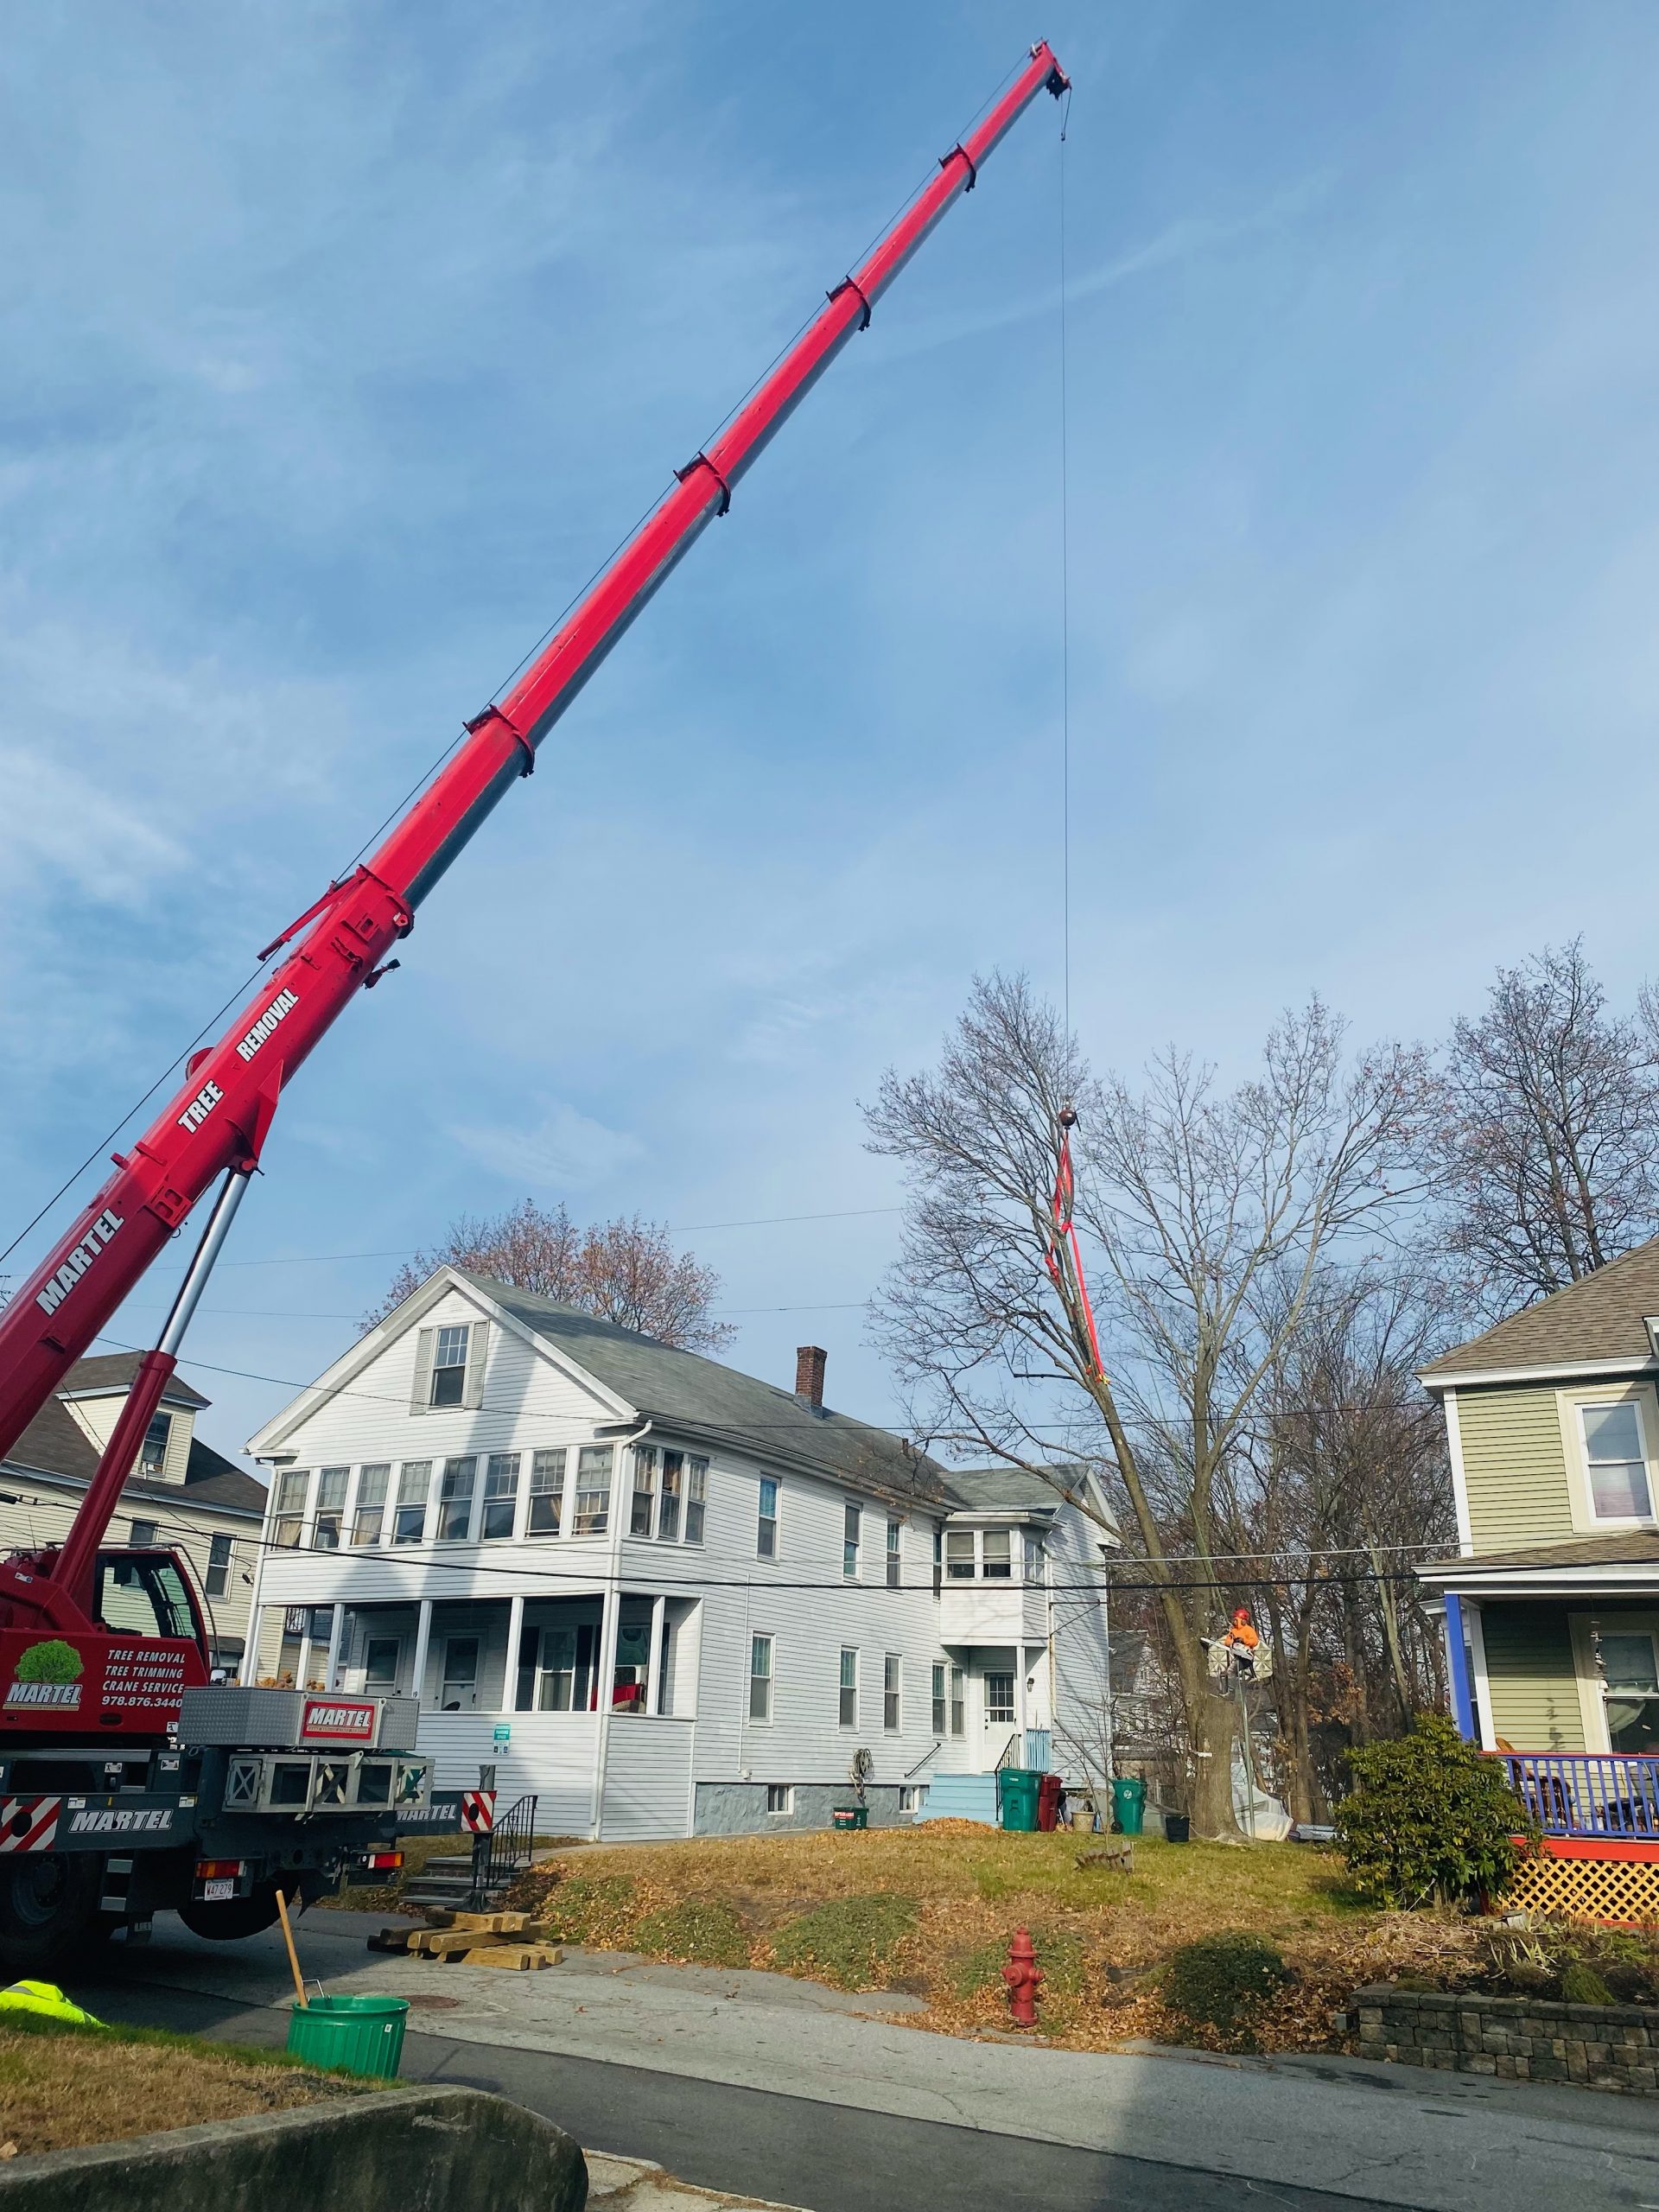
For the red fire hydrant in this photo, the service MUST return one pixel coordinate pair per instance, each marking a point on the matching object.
(1023, 1975)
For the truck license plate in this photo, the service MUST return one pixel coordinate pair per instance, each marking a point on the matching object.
(216, 1892)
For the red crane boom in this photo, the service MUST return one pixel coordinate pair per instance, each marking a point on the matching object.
(218, 1121)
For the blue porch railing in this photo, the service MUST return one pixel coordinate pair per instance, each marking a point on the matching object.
(1602, 1794)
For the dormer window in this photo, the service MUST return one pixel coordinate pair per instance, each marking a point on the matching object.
(152, 1453)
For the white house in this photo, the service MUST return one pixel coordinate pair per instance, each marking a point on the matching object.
(666, 1598)
(180, 1494)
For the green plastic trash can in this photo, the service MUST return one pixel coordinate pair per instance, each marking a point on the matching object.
(849, 1816)
(1017, 1793)
(1128, 1804)
(360, 2035)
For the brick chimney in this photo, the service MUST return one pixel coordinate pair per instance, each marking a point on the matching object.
(809, 1373)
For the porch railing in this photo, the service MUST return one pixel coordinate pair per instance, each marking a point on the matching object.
(1604, 1794)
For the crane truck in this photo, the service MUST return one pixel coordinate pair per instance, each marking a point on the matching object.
(129, 1781)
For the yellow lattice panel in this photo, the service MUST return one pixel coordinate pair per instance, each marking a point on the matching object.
(1618, 1890)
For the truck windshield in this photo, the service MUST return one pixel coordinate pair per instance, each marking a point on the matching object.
(142, 1593)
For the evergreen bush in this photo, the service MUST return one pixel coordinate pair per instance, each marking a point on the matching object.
(1223, 1982)
(1430, 1819)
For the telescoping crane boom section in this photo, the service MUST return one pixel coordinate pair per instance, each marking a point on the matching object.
(218, 1121)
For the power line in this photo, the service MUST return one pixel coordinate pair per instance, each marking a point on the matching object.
(673, 1229)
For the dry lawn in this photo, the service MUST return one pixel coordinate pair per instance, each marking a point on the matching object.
(61, 2086)
(931, 1910)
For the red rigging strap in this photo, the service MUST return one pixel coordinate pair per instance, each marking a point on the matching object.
(1062, 1239)
(219, 1120)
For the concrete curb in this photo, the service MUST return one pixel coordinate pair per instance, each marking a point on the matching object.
(641, 2185)
(444, 2150)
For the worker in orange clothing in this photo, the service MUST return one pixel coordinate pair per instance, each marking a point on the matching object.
(1241, 1641)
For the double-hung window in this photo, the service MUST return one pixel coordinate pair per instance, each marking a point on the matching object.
(141, 1535)
(408, 1519)
(592, 1513)
(668, 1512)
(895, 1557)
(331, 1509)
(996, 1555)
(958, 1701)
(1616, 1463)
(760, 1678)
(546, 1494)
(218, 1566)
(556, 1670)
(893, 1675)
(455, 1499)
(152, 1453)
(382, 1656)
(449, 1366)
(959, 1554)
(369, 1518)
(1631, 1676)
(645, 1489)
(1035, 1568)
(501, 1497)
(849, 1689)
(765, 1527)
(849, 1544)
(696, 1498)
(288, 1511)
(938, 1697)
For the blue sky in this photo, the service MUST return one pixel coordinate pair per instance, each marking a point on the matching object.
(340, 343)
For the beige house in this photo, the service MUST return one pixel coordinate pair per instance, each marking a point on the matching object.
(182, 1494)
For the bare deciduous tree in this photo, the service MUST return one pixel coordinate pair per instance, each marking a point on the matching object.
(1338, 1487)
(1546, 1145)
(625, 1271)
(1191, 1202)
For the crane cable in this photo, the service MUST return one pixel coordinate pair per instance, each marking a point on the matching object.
(1062, 1244)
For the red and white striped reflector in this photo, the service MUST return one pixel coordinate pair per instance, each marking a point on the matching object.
(29, 1823)
(477, 1810)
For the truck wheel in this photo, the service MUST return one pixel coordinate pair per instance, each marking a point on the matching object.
(232, 1918)
(49, 1908)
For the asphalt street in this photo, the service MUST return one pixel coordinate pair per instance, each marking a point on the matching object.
(835, 2136)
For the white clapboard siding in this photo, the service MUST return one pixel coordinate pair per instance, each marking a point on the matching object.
(550, 1757)
(647, 1779)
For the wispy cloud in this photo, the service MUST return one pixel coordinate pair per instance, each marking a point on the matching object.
(563, 1151)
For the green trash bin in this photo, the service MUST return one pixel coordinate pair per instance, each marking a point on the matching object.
(1017, 1793)
(1128, 1804)
(360, 2035)
(849, 1816)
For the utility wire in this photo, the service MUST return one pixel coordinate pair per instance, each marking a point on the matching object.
(1065, 612)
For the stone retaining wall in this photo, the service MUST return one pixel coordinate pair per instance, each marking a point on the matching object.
(1516, 2038)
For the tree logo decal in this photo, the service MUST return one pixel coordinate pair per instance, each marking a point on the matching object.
(46, 1675)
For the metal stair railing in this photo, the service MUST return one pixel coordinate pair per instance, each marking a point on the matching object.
(508, 1848)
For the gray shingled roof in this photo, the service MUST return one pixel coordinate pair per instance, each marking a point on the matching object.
(1000, 1489)
(1635, 1548)
(114, 1371)
(700, 1399)
(55, 1444)
(1599, 1317)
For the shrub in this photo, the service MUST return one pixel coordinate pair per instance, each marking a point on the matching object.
(697, 1931)
(590, 1908)
(1430, 1817)
(849, 1942)
(1582, 1985)
(1223, 1982)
